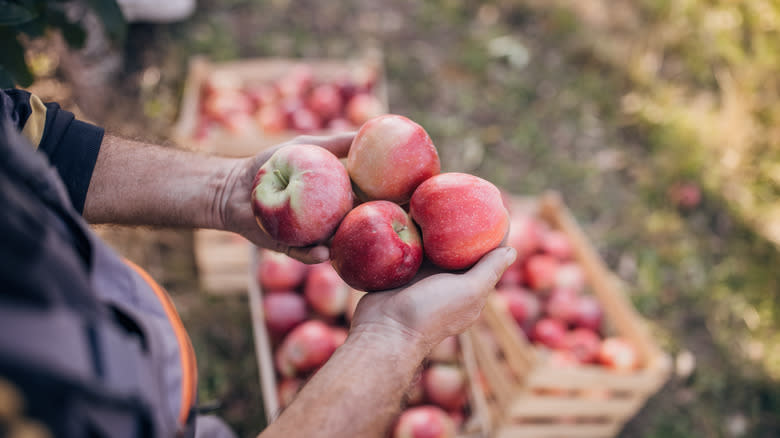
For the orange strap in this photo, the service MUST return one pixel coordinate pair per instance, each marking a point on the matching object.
(189, 366)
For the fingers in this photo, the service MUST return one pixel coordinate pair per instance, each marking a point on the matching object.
(337, 144)
(309, 255)
(490, 268)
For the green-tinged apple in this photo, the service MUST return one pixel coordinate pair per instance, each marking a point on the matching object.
(301, 194)
(376, 247)
(426, 421)
(389, 157)
(461, 217)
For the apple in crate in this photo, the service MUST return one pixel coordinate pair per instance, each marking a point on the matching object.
(339, 335)
(326, 101)
(588, 313)
(376, 247)
(301, 194)
(618, 354)
(562, 305)
(363, 107)
(325, 291)
(584, 344)
(549, 332)
(287, 390)
(520, 303)
(389, 157)
(277, 272)
(461, 217)
(283, 311)
(305, 348)
(424, 422)
(570, 276)
(556, 244)
(445, 385)
(525, 236)
(540, 271)
(446, 351)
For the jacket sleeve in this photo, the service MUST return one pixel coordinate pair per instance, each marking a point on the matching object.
(71, 145)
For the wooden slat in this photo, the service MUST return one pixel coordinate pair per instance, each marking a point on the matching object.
(263, 349)
(518, 352)
(606, 430)
(533, 406)
(502, 386)
(589, 377)
(479, 423)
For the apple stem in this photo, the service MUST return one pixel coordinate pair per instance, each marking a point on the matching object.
(401, 230)
(282, 178)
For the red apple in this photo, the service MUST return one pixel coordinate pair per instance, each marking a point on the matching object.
(239, 123)
(511, 277)
(424, 422)
(287, 390)
(549, 332)
(276, 271)
(521, 304)
(325, 100)
(570, 276)
(446, 351)
(305, 348)
(376, 247)
(340, 125)
(584, 344)
(562, 305)
(223, 103)
(557, 244)
(389, 157)
(588, 313)
(272, 119)
(363, 107)
(339, 335)
(461, 218)
(304, 120)
(325, 291)
(283, 311)
(525, 236)
(619, 355)
(296, 82)
(458, 418)
(445, 385)
(540, 271)
(262, 95)
(301, 194)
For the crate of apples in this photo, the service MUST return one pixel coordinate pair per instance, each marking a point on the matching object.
(239, 108)
(561, 348)
(302, 315)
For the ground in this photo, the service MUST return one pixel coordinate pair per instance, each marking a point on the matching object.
(615, 104)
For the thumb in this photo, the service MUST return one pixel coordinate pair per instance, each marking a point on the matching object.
(488, 270)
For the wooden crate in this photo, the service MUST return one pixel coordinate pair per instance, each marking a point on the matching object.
(223, 259)
(258, 71)
(476, 426)
(532, 398)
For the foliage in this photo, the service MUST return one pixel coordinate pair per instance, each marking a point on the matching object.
(33, 19)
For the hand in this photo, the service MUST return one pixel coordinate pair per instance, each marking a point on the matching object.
(436, 305)
(236, 210)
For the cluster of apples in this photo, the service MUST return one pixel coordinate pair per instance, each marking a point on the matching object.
(303, 195)
(307, 310)
(297, 102)
(437, 400)
(544, 292)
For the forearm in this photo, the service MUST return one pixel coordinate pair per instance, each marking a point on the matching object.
(142, 184)
(357, 393)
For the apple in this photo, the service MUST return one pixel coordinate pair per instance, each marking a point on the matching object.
(446, 351)
(305, 120)
(458, 418)
(521, 304)
(390, 156)
(262, 95)
(584, 344)
(283, 311)
(525, 236)
(287, 390)
(445, 385)
(562, 305)
(570, 276)
(549, 332)
(276, 271)
(376, 247)
(325, 291)
(305, 348)
(223, 103)
(339, 335)
(588, 313)
(272, 119)
(340, 125)
(540, 271)
(325, 100)
(511, 277)
(301, 194)
(363, 107)
(296, 82)
(618, 354)
(557, 244)
(461, 218)
(424, 422)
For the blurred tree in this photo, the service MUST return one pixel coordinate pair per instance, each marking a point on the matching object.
(21, 19)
